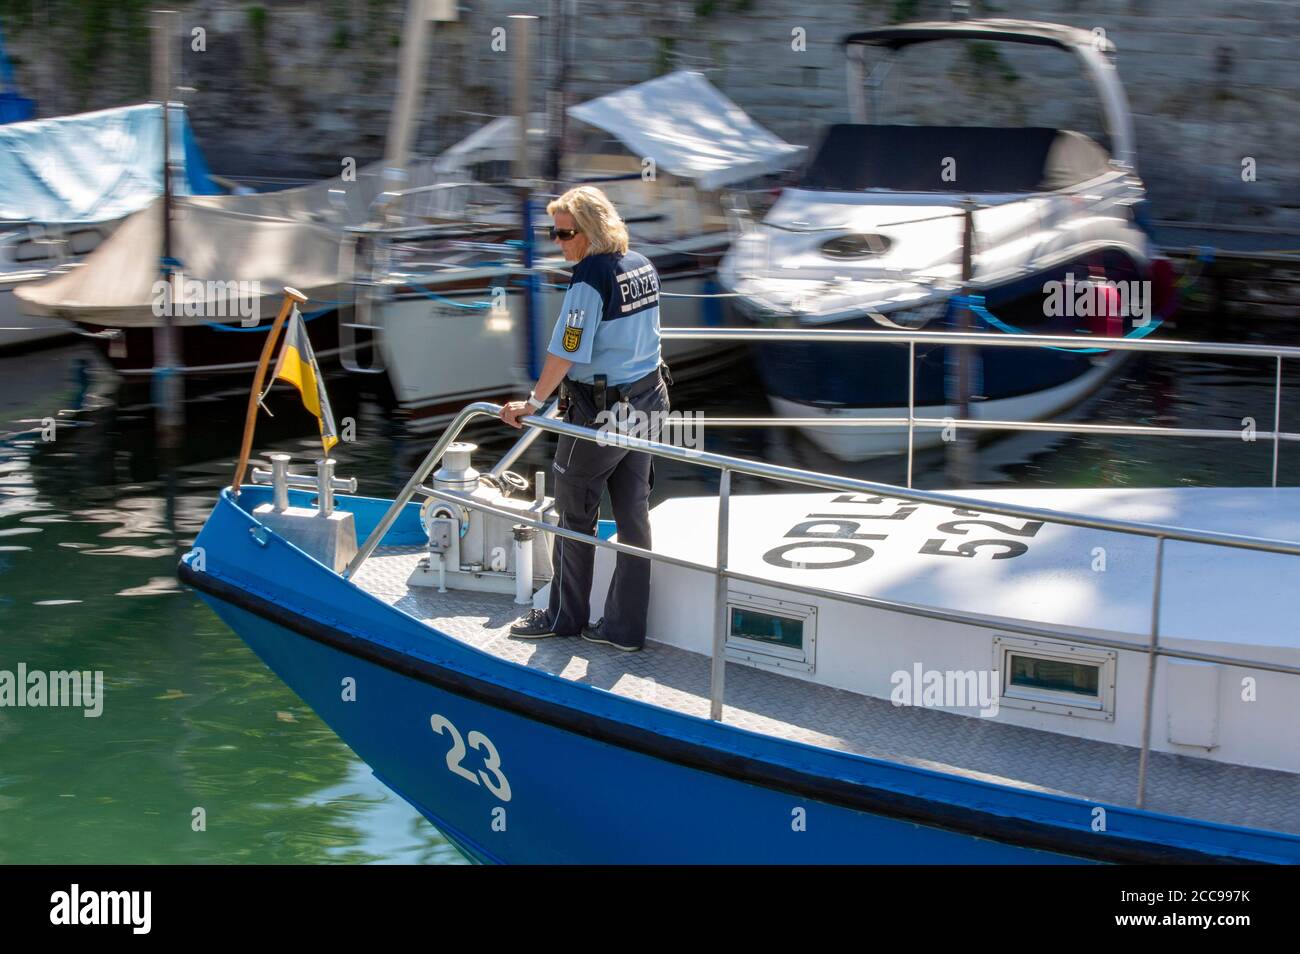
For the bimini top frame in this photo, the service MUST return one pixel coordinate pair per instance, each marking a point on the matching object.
(1094, 49)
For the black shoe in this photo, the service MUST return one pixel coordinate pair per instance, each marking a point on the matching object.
(597, 634)
(535, 624)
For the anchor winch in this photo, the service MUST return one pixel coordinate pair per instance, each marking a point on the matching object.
(471, 549)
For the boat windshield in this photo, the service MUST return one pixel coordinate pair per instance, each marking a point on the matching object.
(985, 83)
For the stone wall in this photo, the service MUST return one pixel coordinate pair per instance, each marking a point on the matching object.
(289, 88)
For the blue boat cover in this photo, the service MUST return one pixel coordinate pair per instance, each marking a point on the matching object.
(14, 107)
(94, 167)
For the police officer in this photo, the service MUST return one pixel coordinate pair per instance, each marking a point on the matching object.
(604, 353)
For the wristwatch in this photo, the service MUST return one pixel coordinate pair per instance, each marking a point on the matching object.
(535, 404)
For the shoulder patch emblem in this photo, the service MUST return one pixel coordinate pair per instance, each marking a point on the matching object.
(573, 330)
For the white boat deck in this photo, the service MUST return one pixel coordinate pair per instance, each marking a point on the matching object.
(801, 711)
(1214, 599)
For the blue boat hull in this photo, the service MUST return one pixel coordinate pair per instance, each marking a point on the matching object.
(574, 799)
(518, 765)
(868, 376)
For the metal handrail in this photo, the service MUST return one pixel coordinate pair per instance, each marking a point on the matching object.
(1074, 343)
(794, 475)
(981, 425)
(983, 339)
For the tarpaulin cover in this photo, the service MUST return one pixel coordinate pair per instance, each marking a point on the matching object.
(94, 167)
(681, 121)
(226, 250)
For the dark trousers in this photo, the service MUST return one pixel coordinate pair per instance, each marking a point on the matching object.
(582, 471)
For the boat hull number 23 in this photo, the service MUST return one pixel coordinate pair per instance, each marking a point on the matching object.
(490, 776)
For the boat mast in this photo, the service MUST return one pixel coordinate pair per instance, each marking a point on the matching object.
(167, 384)
(557, 94)
(403, 125)
(520, 35)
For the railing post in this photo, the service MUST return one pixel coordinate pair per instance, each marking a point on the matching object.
(911, 406)
(718, 674)
(1277, 415)
(1151, 675)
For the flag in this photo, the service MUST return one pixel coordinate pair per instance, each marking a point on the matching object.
(297, 365)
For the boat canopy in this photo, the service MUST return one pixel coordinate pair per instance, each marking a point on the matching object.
(853, 157)
(94, 167)
(681, 121)
(1094, 51)
(217, 244)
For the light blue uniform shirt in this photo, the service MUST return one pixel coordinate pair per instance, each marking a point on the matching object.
(609, 322)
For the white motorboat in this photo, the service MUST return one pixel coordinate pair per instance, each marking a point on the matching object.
(1035, 229)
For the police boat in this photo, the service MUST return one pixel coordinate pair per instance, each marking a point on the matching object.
(838, 670)
(954, 223)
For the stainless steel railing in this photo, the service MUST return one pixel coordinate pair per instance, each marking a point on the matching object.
(988, 340)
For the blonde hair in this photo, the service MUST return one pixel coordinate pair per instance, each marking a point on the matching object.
(596, 217)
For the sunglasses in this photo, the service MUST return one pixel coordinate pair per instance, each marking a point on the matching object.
(562, 234)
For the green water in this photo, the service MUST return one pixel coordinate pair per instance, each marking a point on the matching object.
(92, 522)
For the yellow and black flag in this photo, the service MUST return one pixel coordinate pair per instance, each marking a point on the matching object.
(297, 365)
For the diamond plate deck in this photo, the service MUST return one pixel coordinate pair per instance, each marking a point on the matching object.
(788, 708)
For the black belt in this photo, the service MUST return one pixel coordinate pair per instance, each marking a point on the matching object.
(602, 396)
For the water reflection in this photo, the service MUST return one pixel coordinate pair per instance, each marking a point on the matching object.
(192, 719)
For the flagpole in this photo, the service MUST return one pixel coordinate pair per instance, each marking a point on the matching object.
(292, 297)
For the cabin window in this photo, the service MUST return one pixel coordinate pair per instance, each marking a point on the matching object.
(1058, 675)
(767, 627)
(1049, 676)
(771, 633)
(30, 251)
(84, 241)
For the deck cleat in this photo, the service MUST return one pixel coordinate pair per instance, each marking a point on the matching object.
(322, 532)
